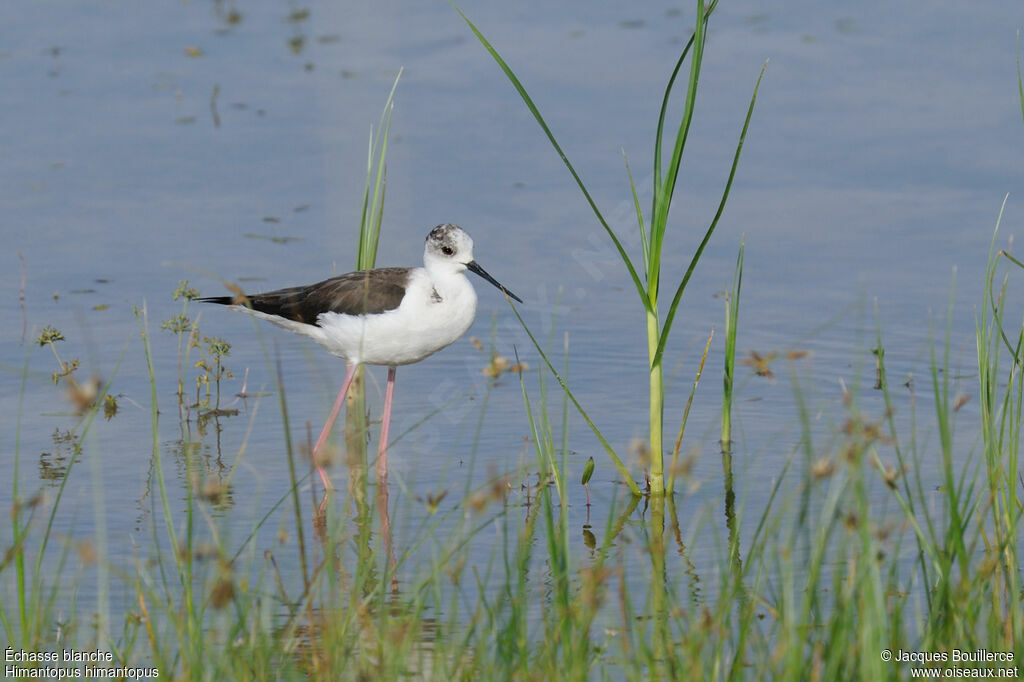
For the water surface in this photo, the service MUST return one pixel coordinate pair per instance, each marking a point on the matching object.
(145, 145)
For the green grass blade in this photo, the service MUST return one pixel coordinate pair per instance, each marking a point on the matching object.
(565, 387)
(376, 182)
(1020, 82)
(639, 216)
(664, 109)
(667, 327)
(554, 143)
(142, 316)
(664, 190)
(732, 313)
(671, 480)
(953, 492)
(16, 529)
(292, 472)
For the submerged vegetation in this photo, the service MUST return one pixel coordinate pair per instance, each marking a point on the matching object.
(876, 550)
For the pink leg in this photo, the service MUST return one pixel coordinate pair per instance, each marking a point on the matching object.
(330, 423)
(385, 427)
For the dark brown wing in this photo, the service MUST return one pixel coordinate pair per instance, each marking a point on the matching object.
(366, 292)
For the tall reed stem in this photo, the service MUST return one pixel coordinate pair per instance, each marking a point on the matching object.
(656, 403)
(652, 233)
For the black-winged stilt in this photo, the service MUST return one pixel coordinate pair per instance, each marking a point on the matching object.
(388, 316)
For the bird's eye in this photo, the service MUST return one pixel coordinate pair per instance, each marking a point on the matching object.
(447, 250)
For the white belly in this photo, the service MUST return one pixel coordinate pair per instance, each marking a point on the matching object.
(432, 315)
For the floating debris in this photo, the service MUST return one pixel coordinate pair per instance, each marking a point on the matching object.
(759, 363)
(272, 238)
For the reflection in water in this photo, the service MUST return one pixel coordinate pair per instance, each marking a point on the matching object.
(693, 577)
(589, 539)
(364, 587)
(730, 512)
(735, 558)
(54, 465)
(200, 467)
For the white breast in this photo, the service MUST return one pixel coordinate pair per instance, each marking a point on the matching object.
(433, 314)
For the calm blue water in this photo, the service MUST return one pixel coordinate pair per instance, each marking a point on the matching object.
(143, 145)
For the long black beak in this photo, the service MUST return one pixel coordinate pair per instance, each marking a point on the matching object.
(474, 267)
